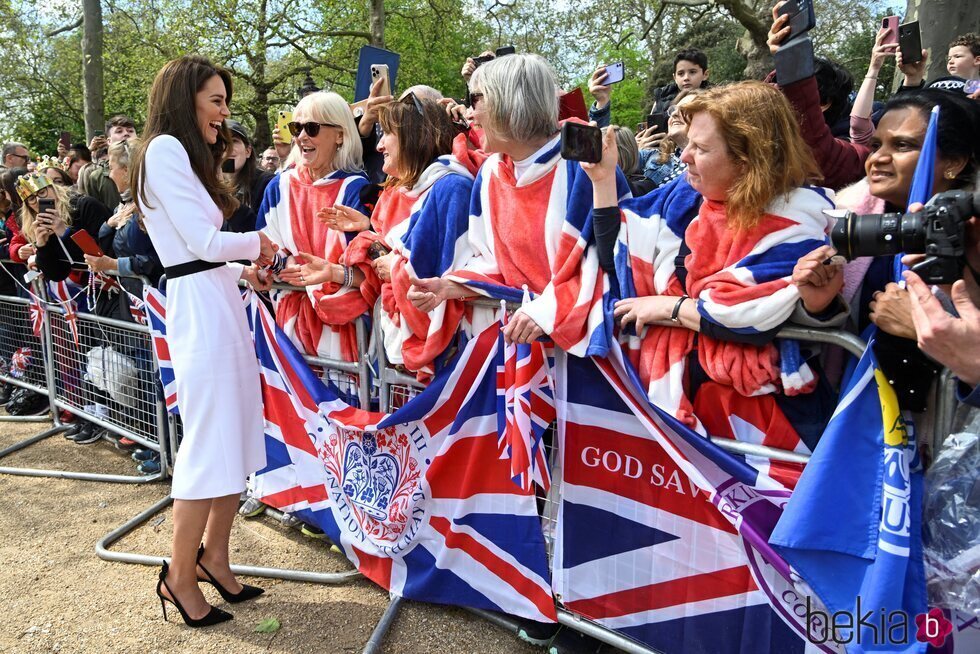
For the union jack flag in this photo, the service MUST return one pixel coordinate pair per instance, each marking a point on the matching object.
(37, 315)
(661, 534)
(62, 294)
(155, 308)
(419, 499)
(525, 408)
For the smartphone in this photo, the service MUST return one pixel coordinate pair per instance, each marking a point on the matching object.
(910, 42)
(282, 122)
(505, 50)
(98, 132)
(228, 166)
(380, 71)
(479, 61)
(890, 24)
(86, 243)
(581, 142)
(614, 73)
(794, 61)
(377, 250)
(45, 205)
(658, 120)
(65, 140)
(802, 17)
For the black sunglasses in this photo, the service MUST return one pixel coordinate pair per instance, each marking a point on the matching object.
(471, 99)
(410, 99)
(311, 128)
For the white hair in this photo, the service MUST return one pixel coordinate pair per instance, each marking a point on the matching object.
(328, 107)
(521, 96)
(422, 92)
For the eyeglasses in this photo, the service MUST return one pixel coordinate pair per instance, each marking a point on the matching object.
(311, 128)
(410, 99)
(25, 157)
(471, 99)
(269, 158)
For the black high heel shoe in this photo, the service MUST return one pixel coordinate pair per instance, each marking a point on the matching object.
(214, 616)
(246, 593)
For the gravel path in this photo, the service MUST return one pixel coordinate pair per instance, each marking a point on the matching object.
(56, 595)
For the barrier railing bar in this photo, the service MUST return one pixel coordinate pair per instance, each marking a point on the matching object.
(752, 449)
(103, 552)
(602, 634)
(384, 625)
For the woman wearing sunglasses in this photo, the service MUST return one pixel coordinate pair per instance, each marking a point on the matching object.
(419, 224)
(319, 320)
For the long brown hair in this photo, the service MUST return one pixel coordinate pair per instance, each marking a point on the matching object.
(421, 137)
(764, 139)
(172, 110)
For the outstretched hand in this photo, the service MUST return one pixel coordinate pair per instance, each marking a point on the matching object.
(343, 218)
(309, 270)
(950, 340)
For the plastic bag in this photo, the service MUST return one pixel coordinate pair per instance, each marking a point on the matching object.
(113, 373)
(952, 525)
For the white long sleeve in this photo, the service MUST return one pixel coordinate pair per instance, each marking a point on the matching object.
(182, 220)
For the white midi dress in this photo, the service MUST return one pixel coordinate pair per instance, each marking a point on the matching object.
(217, 375)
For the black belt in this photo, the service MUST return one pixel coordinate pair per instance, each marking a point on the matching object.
(191, 267)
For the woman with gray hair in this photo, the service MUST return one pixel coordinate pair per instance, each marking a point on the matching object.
(530, 215)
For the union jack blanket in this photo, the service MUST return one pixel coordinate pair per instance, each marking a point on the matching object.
(425, 227)
(320, 321)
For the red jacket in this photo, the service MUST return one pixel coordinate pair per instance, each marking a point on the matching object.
(840, 161)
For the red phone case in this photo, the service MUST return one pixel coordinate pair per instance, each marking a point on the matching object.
(88, 245)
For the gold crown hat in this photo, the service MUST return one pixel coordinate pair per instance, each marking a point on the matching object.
(50, 162)
(31, 183)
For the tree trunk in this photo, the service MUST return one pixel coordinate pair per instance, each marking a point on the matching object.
(941, 21)
(378, 23)
(92, 70)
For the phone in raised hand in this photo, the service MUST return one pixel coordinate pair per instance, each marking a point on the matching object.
(614, 73)
(581, 142)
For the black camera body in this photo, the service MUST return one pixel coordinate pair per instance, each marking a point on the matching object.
(938, 231)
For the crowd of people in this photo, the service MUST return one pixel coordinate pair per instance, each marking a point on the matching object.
(712, 234)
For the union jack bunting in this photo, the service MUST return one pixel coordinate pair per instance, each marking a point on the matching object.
(37, 315)
(63, 296)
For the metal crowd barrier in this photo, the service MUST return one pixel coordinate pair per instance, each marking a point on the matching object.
(351, 378)
(396, 387)
(134, 411)
(17, 332)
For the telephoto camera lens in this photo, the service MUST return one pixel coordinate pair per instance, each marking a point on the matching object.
(878, 234)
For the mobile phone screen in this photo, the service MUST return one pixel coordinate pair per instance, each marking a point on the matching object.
(581, 142)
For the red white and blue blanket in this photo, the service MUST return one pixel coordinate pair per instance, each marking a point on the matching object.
(425, 227)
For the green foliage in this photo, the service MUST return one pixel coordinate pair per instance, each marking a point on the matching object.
(270, 46)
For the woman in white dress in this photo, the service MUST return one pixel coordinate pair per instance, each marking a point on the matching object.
(177, 186)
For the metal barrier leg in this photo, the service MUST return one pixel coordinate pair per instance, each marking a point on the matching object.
(384, 624)
(66, 474)
(103, 552)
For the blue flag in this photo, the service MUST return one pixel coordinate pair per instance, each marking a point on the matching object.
(921, 189)
(852, 529)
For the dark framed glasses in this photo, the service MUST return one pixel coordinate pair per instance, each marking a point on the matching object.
(311, 128)
(472, 98)
(411, 100)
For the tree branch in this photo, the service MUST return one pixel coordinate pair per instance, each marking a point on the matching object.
(65, 28)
